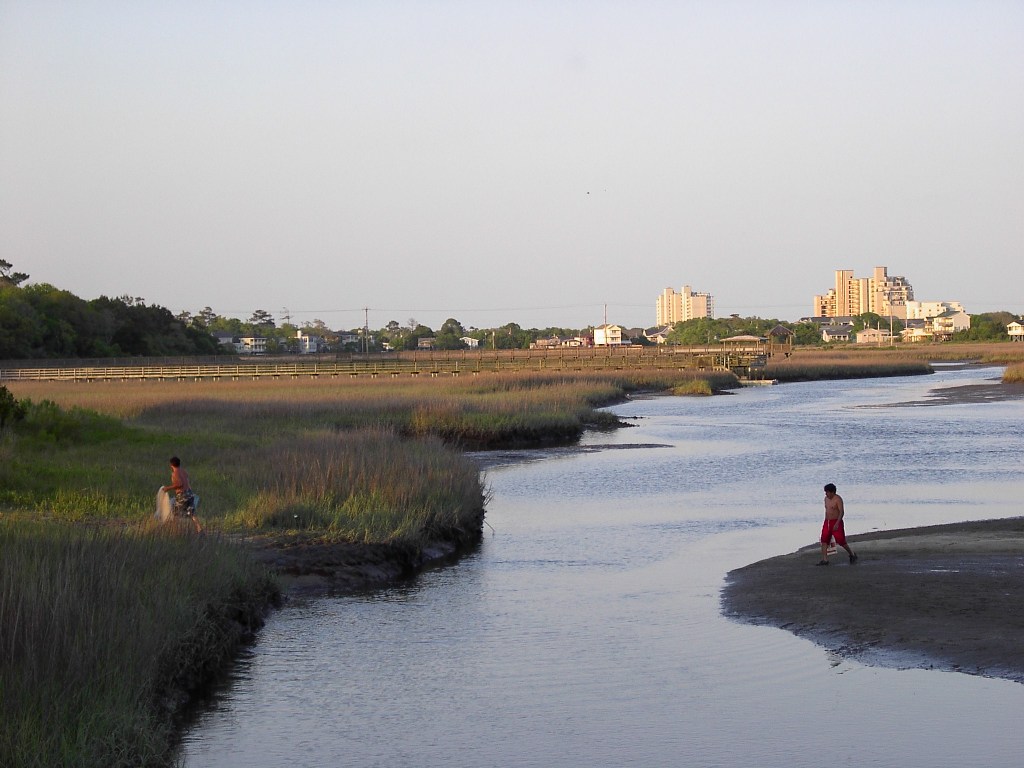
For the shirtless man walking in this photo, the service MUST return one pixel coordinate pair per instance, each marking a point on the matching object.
(833, 526)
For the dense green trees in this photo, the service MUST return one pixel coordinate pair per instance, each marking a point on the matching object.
(806, 333)
(450, 335)
(708, 330)
(41, 321)
(989, 326)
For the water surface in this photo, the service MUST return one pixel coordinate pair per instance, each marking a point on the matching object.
(586, 630)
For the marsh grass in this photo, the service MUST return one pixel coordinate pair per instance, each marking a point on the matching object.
(100, 624)
(270, 454)
(344, 486)
(693, 387)
(827, 365)
(997, 352)
(854, 361)
(1014, 374)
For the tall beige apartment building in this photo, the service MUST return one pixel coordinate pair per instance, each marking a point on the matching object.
(675, 307)
(881, 293)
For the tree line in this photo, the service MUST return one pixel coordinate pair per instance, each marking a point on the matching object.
(41, 321)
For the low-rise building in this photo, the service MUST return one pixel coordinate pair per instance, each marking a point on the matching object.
(874, 336)
(608, 335)
(836, 332)
(658, 334)
(307, 343)
(550, 342)
(915, 333)
(1015, 331)
(952, 321)
(251, 345)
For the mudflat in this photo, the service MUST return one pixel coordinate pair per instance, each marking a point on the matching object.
(944, 597)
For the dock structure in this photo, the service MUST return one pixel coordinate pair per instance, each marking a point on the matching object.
(742, 355)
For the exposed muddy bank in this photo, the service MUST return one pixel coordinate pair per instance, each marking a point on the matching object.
(946, 597)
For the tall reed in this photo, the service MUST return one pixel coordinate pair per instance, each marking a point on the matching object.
(365, 486)
(100, 625)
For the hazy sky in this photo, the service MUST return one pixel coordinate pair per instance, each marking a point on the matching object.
(498, 162)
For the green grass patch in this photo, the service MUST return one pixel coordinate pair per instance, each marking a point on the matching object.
(694, 387)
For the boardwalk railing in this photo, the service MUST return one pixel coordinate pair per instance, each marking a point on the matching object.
(716, 357)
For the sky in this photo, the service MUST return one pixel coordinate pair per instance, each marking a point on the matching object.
(547, 163)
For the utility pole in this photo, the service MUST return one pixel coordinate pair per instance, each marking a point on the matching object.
(366, 330)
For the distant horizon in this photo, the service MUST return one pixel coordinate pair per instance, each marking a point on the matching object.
(402, 317)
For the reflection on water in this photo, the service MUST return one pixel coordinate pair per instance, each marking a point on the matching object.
(586, 630)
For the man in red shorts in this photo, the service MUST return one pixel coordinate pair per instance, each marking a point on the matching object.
(833, 526)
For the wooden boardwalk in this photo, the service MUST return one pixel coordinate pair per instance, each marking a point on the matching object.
(435, 363)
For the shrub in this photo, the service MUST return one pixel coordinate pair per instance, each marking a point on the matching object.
(11, 410)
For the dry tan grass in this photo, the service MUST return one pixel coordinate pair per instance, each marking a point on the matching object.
(1014, 374)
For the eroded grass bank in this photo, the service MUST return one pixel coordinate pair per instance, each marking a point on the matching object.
(105, 629)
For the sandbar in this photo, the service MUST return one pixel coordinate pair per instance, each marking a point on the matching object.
(947, 597)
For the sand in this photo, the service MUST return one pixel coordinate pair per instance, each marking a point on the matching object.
(942, 597)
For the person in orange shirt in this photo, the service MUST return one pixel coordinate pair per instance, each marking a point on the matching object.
(184, 498)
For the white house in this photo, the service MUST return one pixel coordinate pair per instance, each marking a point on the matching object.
(916, 333)
(251, 345)
(874, 336)
(1015, 331)
(608, 335)
(945, 325)
(470, 342)
(308, 344)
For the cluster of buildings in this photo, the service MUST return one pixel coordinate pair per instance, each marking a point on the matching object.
(886, 296)
(940, 327)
